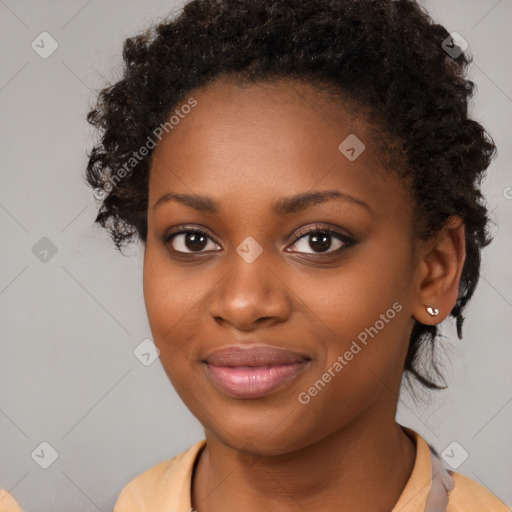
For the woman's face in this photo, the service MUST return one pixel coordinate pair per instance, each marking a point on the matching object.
(272, 237)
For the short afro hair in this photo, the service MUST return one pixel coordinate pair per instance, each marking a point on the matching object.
(386, 55)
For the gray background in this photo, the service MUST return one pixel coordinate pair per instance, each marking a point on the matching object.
(68, 375)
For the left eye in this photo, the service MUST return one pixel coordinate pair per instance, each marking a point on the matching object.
(317, 242)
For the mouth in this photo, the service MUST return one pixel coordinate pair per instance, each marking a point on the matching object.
(252, 372)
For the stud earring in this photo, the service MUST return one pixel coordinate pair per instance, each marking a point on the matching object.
(432, 311)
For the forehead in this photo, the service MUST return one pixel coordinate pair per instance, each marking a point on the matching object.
(268, 139)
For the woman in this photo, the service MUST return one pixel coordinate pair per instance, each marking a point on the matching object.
(305, 179)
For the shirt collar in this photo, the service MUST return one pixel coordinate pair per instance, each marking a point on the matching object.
(413, 497)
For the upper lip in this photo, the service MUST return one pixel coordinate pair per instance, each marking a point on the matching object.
(262, 355)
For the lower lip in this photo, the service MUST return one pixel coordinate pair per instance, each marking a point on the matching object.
(252, 382)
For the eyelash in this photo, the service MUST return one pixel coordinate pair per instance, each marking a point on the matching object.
(347, 241)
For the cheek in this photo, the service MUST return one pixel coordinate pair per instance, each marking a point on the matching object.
(349, 299)
(171, 307)
(174, 299)
(163, 298)
(364, 314)
(170, 292)
(362, 360)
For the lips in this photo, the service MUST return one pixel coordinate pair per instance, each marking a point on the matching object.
(253, 356)
(252, 372)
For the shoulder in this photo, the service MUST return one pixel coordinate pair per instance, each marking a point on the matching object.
(467, 495)
(8, 503)
(167, 484)
(464, 494)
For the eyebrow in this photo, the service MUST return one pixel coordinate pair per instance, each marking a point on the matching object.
(282, 207)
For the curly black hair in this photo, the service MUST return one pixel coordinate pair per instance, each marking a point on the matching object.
(388, 56)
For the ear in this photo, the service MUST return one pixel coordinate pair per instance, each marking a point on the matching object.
(439, 266)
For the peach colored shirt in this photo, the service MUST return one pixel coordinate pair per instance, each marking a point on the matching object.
(8, 503)
(167, 487)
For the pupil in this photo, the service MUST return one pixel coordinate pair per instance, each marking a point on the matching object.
(320, 243)
(195, 241)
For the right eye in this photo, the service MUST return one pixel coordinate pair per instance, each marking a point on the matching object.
(192, 241)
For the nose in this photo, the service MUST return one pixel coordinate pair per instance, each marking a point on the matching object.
(250, 296)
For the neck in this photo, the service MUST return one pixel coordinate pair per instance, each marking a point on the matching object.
(363, 468)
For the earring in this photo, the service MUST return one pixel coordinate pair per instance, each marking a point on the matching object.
(432, 311)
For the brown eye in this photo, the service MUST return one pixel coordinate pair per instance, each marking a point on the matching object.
(192, 241)
(319, 241)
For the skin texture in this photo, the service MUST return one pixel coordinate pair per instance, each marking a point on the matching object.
(247, 148)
